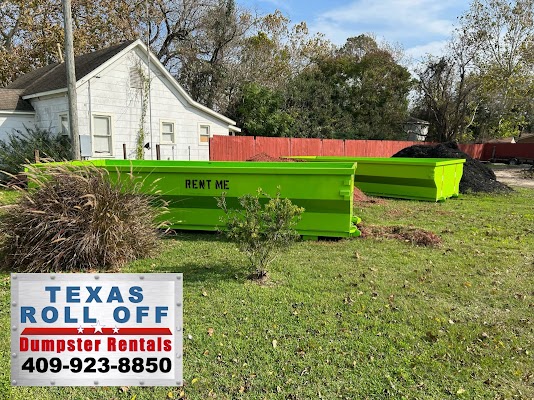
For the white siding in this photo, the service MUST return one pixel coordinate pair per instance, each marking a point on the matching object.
(9, 123)
(47, 111)
(109, 93)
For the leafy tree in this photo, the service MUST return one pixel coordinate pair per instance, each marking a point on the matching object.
(446, 97)
(260, 112)
(503, 32)
(483, 86)
(359, 92)
(312, 98)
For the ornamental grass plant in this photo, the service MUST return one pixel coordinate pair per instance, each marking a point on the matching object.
(75, 217)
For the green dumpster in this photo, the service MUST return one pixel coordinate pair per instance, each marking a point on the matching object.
(190, 187)
(430, 179)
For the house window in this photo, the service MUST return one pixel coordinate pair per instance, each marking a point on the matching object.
(167, 132)
(64, 128)
(102, 134)
(204, 134)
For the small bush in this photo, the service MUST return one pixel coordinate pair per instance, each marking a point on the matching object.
(77, 218)
(261, 232)
(19, 148)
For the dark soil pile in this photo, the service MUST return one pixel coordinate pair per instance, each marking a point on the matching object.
(476, 177)
(264, 157)
(416, 236)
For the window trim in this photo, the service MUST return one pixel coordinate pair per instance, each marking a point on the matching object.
(201, 143)
(61, 132)
(167, 121)
(112, 129)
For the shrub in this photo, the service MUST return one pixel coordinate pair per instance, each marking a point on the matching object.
(77, 218)
(261, 232)
(19, 148)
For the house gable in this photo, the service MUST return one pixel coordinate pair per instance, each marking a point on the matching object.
(113, 110)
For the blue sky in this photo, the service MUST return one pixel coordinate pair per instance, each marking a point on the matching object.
(419, 26)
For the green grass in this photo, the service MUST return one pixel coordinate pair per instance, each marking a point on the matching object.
(360, 318)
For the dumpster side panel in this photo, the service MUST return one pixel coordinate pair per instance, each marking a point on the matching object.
(408, 178)
(192, 188)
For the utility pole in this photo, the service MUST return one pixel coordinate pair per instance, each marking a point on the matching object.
(71, 81)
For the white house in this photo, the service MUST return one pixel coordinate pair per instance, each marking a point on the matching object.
(120, 90)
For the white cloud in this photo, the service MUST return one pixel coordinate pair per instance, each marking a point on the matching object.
(412, 23)
(418, 53)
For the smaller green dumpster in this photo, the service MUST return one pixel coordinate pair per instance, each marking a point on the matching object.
(429, 179)
(324, 190)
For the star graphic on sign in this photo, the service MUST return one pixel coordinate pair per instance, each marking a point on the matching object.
(115, 330)
(80, 329)
(98, 327)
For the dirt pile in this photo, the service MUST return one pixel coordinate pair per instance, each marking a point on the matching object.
(264, 157)
(360, 196)
(476, 177)
(416, 236)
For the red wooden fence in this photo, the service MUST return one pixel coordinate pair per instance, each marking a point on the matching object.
(241, 148)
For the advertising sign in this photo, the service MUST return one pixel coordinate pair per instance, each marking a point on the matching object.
(96, 329)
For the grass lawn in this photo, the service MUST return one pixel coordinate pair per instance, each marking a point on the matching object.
(351, 319)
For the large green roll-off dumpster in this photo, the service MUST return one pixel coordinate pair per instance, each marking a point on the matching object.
(324, 190)
(430, 179)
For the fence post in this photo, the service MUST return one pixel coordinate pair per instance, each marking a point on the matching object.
(36, 155)
(158, 152)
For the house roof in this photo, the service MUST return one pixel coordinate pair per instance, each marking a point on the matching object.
(11, 100)
(54, 76)
(417, 121)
